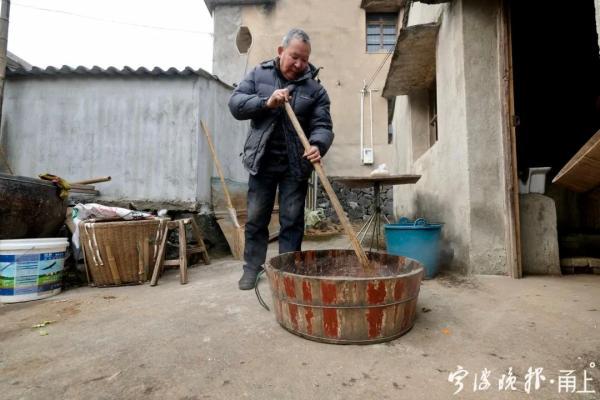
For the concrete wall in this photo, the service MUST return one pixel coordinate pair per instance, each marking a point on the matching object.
(597, 3)
(462, 180)
(228, 63)
(487, 183)
(421, 13)
(337, 30)
(404, 196)
(442, 192)
(144, 131)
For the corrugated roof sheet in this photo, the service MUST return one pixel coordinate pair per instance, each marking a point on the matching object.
(14, 61)
(66, 70)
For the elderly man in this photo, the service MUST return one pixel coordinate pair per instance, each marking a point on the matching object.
(273, 153)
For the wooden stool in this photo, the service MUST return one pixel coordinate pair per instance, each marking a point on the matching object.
(184, 250)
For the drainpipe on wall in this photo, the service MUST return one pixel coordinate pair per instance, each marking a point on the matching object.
(362, 120)
(4, 14)
(371, 112)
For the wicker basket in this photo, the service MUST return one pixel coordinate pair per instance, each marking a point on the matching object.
(120, 253)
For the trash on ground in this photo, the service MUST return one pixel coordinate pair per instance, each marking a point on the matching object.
(43, 324)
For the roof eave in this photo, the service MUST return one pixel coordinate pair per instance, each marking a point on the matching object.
(383, 5)
(95, 71)
(212, 4)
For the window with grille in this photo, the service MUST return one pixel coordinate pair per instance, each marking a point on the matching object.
(381, 32)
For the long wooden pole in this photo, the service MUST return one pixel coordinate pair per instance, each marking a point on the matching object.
(220, 172)
(92, 180)
(360, 253)
(238, 241)
(515, 266)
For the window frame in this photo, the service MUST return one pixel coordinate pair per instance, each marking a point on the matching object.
(380, 21)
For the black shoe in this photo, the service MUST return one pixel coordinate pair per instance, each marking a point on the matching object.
(248, 280)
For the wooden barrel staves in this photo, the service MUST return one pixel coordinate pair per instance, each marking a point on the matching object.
(325, 295)
(29, 208)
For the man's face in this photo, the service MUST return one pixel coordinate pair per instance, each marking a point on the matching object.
(293, 60)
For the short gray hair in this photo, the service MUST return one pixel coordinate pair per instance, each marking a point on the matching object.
(295, 33)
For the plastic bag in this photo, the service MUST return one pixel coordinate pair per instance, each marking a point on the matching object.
(381, 170)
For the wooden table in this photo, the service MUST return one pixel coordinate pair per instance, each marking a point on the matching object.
(376, 182)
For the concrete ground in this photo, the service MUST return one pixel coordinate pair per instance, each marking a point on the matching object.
(208, 340)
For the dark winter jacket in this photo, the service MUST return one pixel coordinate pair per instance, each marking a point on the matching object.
(309, 101)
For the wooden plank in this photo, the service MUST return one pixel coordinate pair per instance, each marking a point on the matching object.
(173, 224)
(85, 261)
(112, 264)
(146, 257)
(513, 221)
(580, 262)
(582, 172)
(140, 251)
(574, 265)
(194, 250)
(369, 181)
(81, 187)
(183, 278)
(200, 239)
(160, 256)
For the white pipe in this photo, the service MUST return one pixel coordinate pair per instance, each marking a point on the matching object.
(371, 111)
(371, 114)
(362, 120)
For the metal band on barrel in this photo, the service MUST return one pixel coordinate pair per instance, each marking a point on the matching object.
(285, 299)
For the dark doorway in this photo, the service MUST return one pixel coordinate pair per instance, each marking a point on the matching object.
(556, 72)
(556, 65)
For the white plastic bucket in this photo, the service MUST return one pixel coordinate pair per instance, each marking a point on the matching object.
(31, 269)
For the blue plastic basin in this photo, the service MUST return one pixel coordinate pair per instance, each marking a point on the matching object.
(418, 239)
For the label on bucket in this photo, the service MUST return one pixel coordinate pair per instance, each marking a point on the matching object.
(30, 273)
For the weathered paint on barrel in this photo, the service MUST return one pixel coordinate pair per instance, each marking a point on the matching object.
(325, 295)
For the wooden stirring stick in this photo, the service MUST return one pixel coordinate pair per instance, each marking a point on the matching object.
(360, 253)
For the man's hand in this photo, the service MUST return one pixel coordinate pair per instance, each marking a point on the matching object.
(278, 98)
(313, 154)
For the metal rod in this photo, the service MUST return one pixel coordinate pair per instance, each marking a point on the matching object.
(315, 188)
(364, 230)
(377, 214)
(366, 226)
(375, 218)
